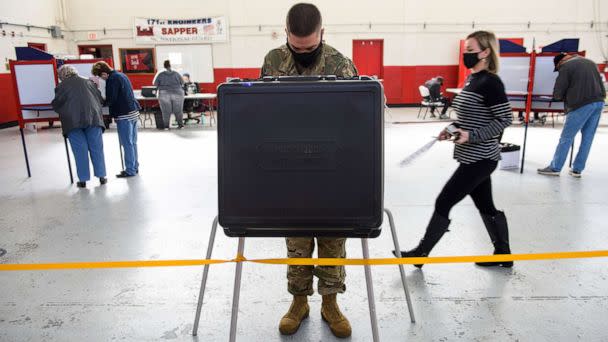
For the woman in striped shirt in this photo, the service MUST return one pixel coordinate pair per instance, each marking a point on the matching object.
(483, 113)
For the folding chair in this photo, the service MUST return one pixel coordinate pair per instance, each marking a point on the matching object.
(426, 102)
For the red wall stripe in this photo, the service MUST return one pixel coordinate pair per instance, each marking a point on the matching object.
(140, 80)
(400, 83)
(220, 75)
(8, 107)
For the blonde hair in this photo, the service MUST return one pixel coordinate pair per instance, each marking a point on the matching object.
(487, 40)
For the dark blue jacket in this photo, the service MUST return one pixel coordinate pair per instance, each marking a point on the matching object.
(119, 95)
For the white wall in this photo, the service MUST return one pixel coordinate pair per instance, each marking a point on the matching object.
(43, 13)
(399, 22)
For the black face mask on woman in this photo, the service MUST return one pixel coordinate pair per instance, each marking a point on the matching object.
(470, 59)
(306, 59)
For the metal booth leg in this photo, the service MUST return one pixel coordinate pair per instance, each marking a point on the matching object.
(201, 293)
(391, 222)
(370, 292)
(27, 160)
(523, 151)
(237, 290)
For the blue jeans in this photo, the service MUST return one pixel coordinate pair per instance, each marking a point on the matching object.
(127, 134)
(85, 141)
(584, 119)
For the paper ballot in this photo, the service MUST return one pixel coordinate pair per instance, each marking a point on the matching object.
(409, 159)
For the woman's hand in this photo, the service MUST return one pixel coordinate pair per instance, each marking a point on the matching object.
(443, 135)
(462, 137)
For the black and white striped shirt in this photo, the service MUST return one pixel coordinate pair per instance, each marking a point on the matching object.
(484, 111)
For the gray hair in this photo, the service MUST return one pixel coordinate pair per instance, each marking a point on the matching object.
(67, 71)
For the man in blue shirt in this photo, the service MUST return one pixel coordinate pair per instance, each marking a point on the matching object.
(125, 111)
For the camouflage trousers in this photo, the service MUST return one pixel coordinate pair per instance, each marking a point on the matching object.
(331, 278)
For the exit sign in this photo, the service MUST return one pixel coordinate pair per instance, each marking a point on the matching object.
(92, 35)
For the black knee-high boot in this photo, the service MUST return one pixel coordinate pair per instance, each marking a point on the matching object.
(434, 231)
(499, 233)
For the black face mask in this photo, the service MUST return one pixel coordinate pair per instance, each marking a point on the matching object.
(306, 59)
(470, 59)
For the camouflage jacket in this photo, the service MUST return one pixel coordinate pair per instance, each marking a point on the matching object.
(280, 62)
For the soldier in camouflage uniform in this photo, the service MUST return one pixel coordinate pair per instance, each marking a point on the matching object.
(280, 62)
(306, 54)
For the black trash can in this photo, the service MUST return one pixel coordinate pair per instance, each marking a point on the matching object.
(158, 119)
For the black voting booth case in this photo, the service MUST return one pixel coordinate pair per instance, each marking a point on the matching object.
(301, 156)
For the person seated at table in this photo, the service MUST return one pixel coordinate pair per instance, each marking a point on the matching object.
(170, 95)
(78, 103)
(189, 86)
(190, 105)
(434, 86)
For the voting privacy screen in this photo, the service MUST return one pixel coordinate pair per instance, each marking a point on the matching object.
(301, 157)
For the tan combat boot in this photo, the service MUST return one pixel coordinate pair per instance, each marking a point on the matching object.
(298, 311)
(338, 324)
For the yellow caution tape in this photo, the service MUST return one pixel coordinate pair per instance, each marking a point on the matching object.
(307, 261)
(107, 264)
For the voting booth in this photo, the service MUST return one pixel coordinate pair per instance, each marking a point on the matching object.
(35, 82)
(301, 156)
(529, 79)
(301, 153)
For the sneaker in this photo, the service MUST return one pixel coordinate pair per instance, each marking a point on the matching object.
(124, 174)
(548, 171)
(103, 180)
(575, 174)
(81, 184)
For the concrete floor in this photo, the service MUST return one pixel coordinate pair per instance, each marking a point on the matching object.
(166, 212)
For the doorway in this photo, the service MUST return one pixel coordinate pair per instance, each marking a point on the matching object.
(98, 51)
(368, 56)
(39, 46)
